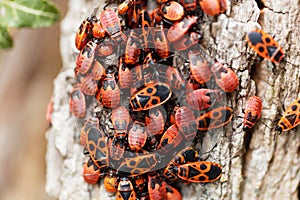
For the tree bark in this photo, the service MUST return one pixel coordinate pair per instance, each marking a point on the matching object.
(259, 164)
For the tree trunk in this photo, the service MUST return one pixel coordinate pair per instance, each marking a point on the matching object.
(259, 164)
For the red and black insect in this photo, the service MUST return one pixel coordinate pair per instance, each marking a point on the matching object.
(98, 70)
(199, 68)
(202, 99)
(213, 7)
(172, 193)
(150, 75)
(125, 190)
(145, 23)
(290, 118)
(225, 77)
(172, 11)
(160, 42)
(137, 136)
(151, 96)
(83, 33)
(137, 78)
(186, 155)
(91, 122)
(138, 165)
(120, 119)
(125, 6)
(111, 24)
(77, 103)
(91, 173)
(265, 46)
(171, 139)
(88, 85)
(97, 146)
(155, 122)
(174, 79)
(98, 31)
(132, 49)
(116, 148)
(187, 41)
(200, 171)
(111, 182)
(156, 187)
(110, 93)
(86, 57)
(104, 48)
(252, 112)
(179, 29)
(186, 122)
(215, 118)
(124, 75)
(140, 184)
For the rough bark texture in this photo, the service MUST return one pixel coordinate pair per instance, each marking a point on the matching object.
(256, 165)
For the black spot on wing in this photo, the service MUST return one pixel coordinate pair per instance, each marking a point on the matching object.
(255, 37)
(214, 172)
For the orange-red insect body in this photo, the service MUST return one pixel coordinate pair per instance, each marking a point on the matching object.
(97, 146)
(125, 76)
(202, 99)
(125, 190)
(116, 149)
(91, 122)
(86, 57)
(77, 103)
(170, 140)
(110, 93)
(199, 67)
(156, 188)
(111, 24)
(120, 119)
(265, 46)
(252, 112)
(174, 79)
(213, 7)
(186, 122)
(172, 193)
(88, 85)
(137, 136)
(160, 42)
(179, 29)
(110, 183)
(200, 171)
(98, 71)
(146, 29)
(155, 122)
(83, 33)
(98, 31)
(124, 6)
(151, 96)
(225, 77)
(104, 49)
(172, 11)
(132, 49)
(215, 118)
(290, 118)
(187, 41)
(138, 165)
(91, 173)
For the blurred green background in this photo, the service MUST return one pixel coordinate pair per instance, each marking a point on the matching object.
(27, 72)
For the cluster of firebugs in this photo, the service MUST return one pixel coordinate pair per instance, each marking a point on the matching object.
(156, 111)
